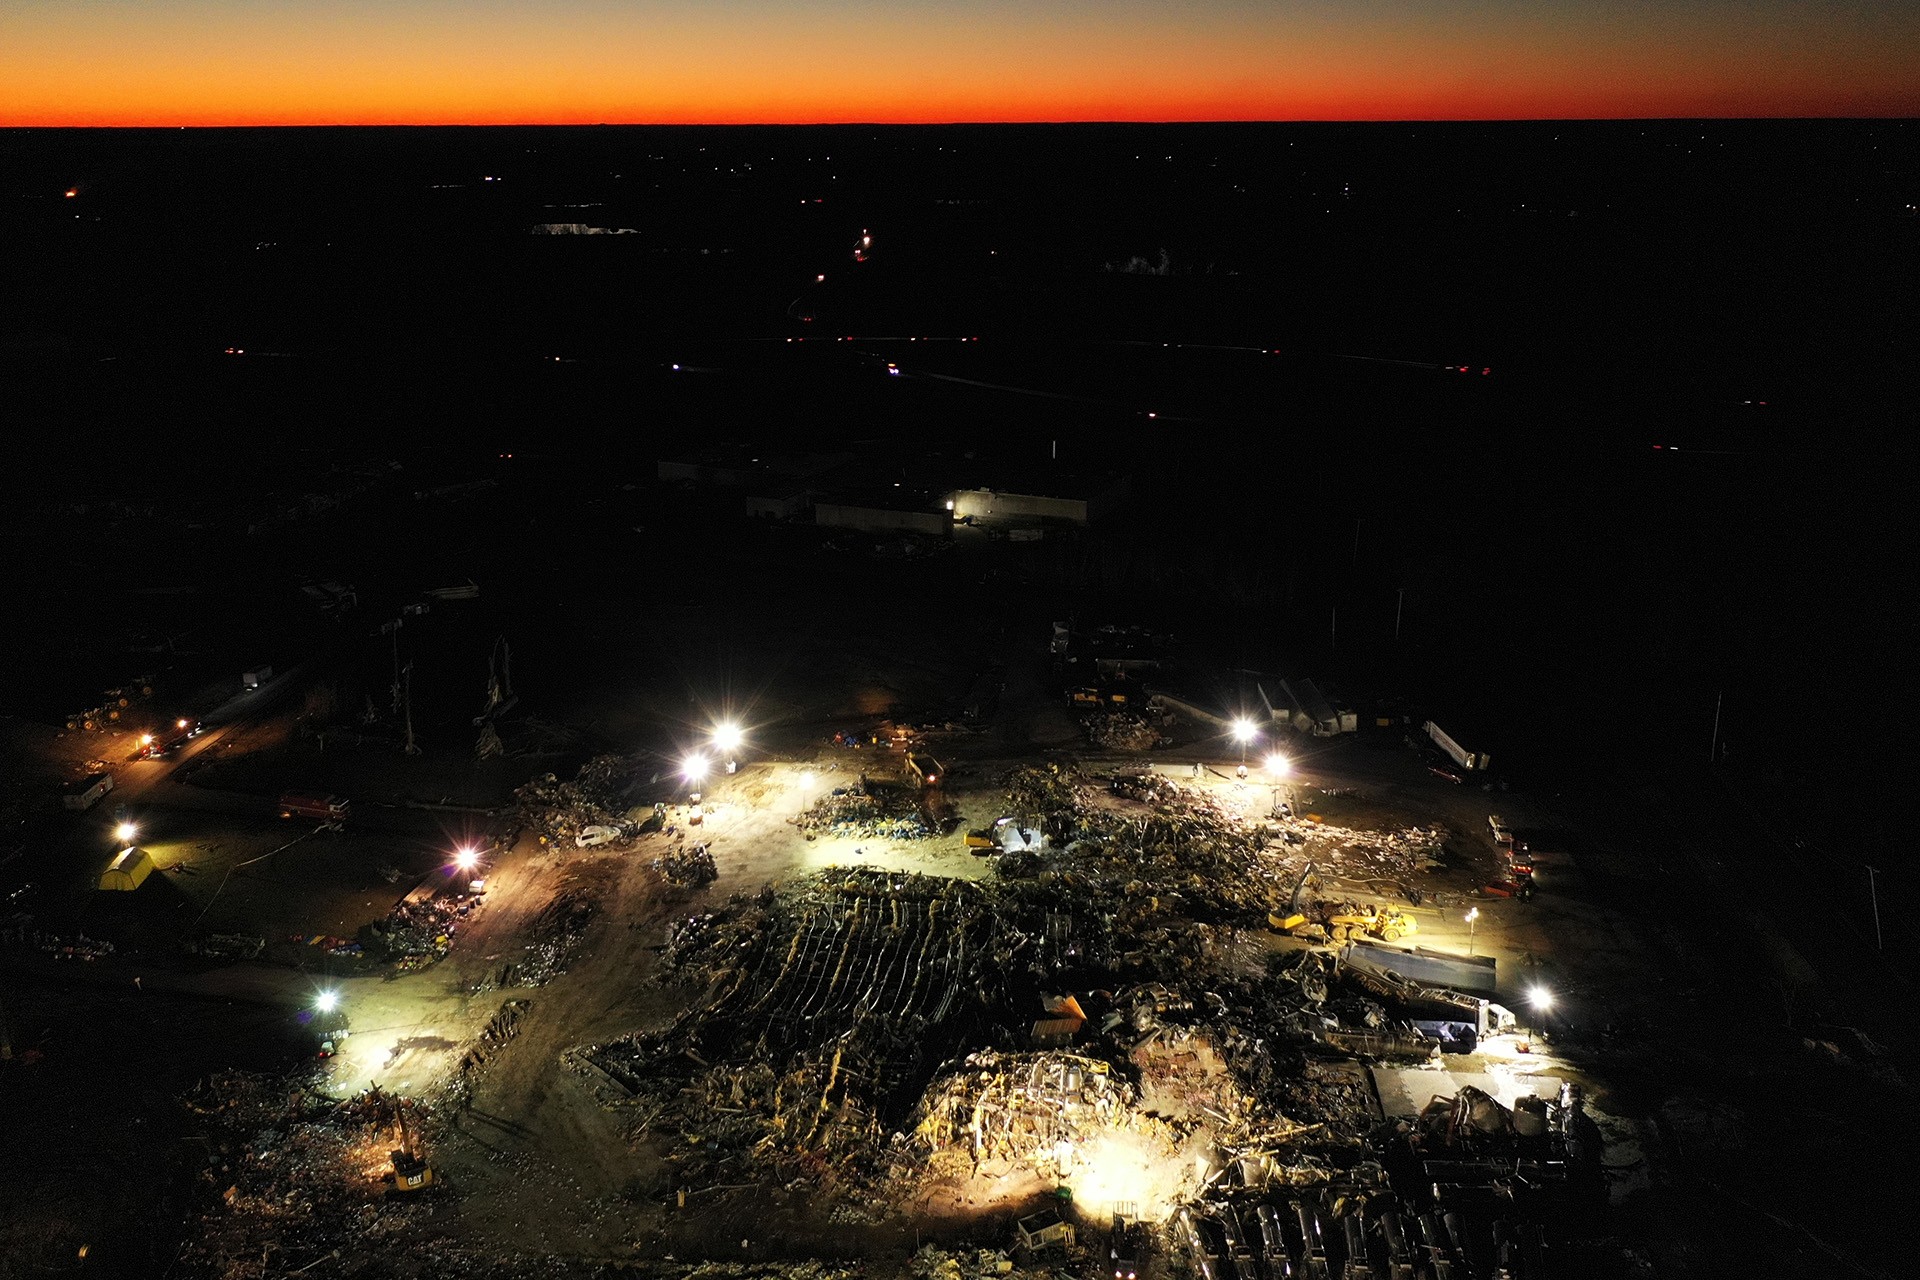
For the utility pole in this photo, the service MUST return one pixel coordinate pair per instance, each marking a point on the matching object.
(1873, 891)
(406, 673)
(393, 629)
(1713, 747)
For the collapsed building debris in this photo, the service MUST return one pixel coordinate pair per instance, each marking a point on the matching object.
(686, 866)
(869, 810)
(293, 1178)
(808, 1031)
(596, 797)
(1122, 731)
(418, 931)
(243, 946)
(873, 1032)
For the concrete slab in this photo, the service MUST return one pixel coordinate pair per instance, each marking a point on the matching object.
(1405, 1092)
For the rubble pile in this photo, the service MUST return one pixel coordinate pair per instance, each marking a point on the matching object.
(1146, 787)
(245, 946)
(1386, 854)
(686, 866)
(20, 931)
(1188, 851)
(552, 937)
(809, 1269)
(810, 1028)
(1189, 854)
(416, 933)
(293, 1179)
(1194, 1063)
(934, 1263)
(1122, 731)
(1020, 1106)
(596, 797)
(706, 944)
(869, 811)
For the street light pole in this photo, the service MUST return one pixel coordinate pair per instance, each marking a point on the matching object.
(1243, 732)
(1472, 917)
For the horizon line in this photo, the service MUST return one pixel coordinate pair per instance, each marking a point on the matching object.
(953, 124)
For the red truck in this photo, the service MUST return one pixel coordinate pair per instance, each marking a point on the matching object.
(296, 804)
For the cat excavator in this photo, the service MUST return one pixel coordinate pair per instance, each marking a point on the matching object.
(410, 1169)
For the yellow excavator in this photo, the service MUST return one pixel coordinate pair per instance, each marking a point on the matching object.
(410, 1169)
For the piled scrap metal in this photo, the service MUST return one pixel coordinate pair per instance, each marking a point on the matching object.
(597, 796)
(238, 946)
(686, 866)
(1122, 731)
(1469, 1118)
(1147, 787)
(810, 1028)
(868, 810)
(1360, 853)
(294, 1179)
(19, 930)
(933, 1263)
(1017, 1106)
(705, 945)
(416, 933)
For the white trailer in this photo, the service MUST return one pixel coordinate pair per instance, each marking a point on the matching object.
(86, 793)
(1461, 756)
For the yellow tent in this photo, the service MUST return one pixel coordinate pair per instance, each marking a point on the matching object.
(127, 870)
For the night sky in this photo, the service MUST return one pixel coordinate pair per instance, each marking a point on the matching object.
(264, 62)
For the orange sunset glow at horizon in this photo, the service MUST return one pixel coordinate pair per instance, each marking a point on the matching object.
(217, 62)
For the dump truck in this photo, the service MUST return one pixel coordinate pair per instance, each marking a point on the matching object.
(1370, 921)
(1044, 1229)
(1123, 1246)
